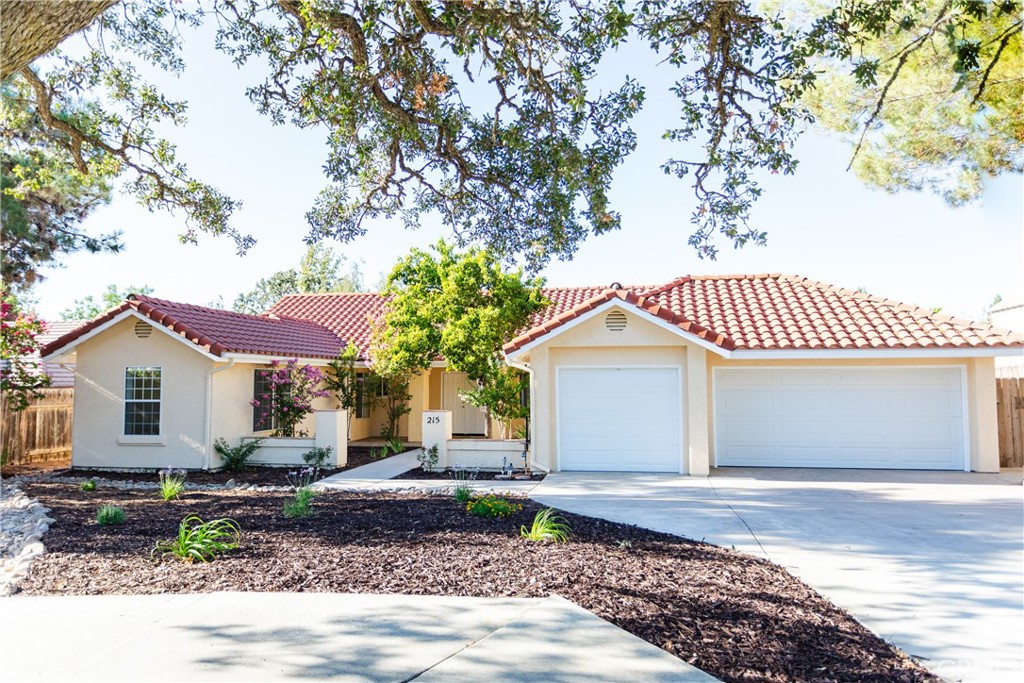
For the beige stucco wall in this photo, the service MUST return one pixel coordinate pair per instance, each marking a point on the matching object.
(99, 400)
(646, 343)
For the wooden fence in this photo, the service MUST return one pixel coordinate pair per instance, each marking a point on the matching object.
(40, 434)
(1010, 409)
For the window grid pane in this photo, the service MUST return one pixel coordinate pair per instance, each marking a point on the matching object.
(142, 401)
(262, 417)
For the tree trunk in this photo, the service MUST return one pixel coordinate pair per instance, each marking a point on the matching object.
(33, 28)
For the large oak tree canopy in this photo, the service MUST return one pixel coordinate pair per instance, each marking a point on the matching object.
(487, 113)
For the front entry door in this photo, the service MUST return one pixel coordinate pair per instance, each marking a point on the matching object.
(466, 418)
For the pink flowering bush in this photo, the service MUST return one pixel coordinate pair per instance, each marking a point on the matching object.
(290, 396)
(21, 376)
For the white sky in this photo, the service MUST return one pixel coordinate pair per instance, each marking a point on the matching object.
(822, 223)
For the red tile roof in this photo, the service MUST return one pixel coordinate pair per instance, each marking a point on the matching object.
(774, 311)
(346, 314)
(220, 332)
(733, 312)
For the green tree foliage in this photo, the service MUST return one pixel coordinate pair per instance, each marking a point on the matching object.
(462, 306)
(91, 306)
(21, 375)
(489, 115)
(320, 270)
(937, 103)
(43, 199)
(343, 381)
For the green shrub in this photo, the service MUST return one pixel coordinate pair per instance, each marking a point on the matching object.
(379, 453)
(109, 514)
(492, 506)
(236, 458)
(547, 526)
(88, 485)
(317, 456)
(301, 505)
(428, 458)
(199, 540)
(172, 483)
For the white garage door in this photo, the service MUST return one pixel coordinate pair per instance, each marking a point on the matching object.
(887, 418)
(619, 419)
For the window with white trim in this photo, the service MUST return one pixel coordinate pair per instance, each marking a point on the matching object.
(264, 394)
(362, 399)
(142, 398)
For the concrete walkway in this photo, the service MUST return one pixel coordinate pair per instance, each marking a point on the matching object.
(260, 637)
(931, 561)
(379, 476)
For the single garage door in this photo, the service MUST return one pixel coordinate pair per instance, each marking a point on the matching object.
(885, 418)
(619, 419)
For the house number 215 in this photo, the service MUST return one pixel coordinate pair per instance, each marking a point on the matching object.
(433, 420)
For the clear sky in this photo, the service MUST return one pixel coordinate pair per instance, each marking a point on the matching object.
(822, 223)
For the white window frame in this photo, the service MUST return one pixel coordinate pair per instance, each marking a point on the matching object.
(157, 439)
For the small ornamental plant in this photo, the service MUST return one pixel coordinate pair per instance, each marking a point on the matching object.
(172, 483)
(88, 485)
(199, 540)
(302, 504)
(492, 506)
(236, 458)
(317, 456)
(463, 487)
(289, 399)
(547, 526)
(428, 458)
(109, 515)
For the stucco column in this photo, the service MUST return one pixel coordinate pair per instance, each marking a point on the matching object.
(437, 430)
(332, 432)
(983, 421)
(698, 460)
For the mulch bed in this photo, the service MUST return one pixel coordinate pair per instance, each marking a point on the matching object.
(418, 473)
(735, 616)
(260, 476)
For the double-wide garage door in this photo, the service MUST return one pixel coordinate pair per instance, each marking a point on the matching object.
(626, 419)
(887, 418)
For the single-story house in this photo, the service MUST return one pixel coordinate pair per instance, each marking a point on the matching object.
(740, 370)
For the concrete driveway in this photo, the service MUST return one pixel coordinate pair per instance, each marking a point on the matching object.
(931, 561)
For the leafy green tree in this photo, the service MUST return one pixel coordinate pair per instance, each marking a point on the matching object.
(343, 381)
(91, 306)
(21, 377)
(462, 306)
(320, 270)
(490, 114)
(937, 105)
(43, 199)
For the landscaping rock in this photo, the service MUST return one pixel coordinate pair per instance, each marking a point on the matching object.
(24, 524)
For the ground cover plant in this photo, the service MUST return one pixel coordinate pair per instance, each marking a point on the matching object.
(88, 485)
(737, 617)
(492, 506)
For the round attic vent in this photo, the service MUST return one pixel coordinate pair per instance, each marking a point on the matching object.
(143, 330)
(615, 321)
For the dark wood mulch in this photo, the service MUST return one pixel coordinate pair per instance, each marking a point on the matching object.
(418, 473)
(735, 616)
(262, 476)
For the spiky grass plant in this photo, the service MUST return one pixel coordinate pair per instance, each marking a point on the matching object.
(547, 526)
(199, 540)
(109, 515)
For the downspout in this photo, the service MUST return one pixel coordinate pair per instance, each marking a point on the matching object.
(530, 428)
(208, 460)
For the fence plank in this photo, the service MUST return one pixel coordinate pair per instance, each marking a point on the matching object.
(1010, 413)
(41, 433)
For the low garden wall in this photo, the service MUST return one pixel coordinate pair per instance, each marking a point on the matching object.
(488, 454)
(282, 451)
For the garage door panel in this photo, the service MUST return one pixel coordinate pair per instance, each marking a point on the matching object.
(894, 417)
(619, 419)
